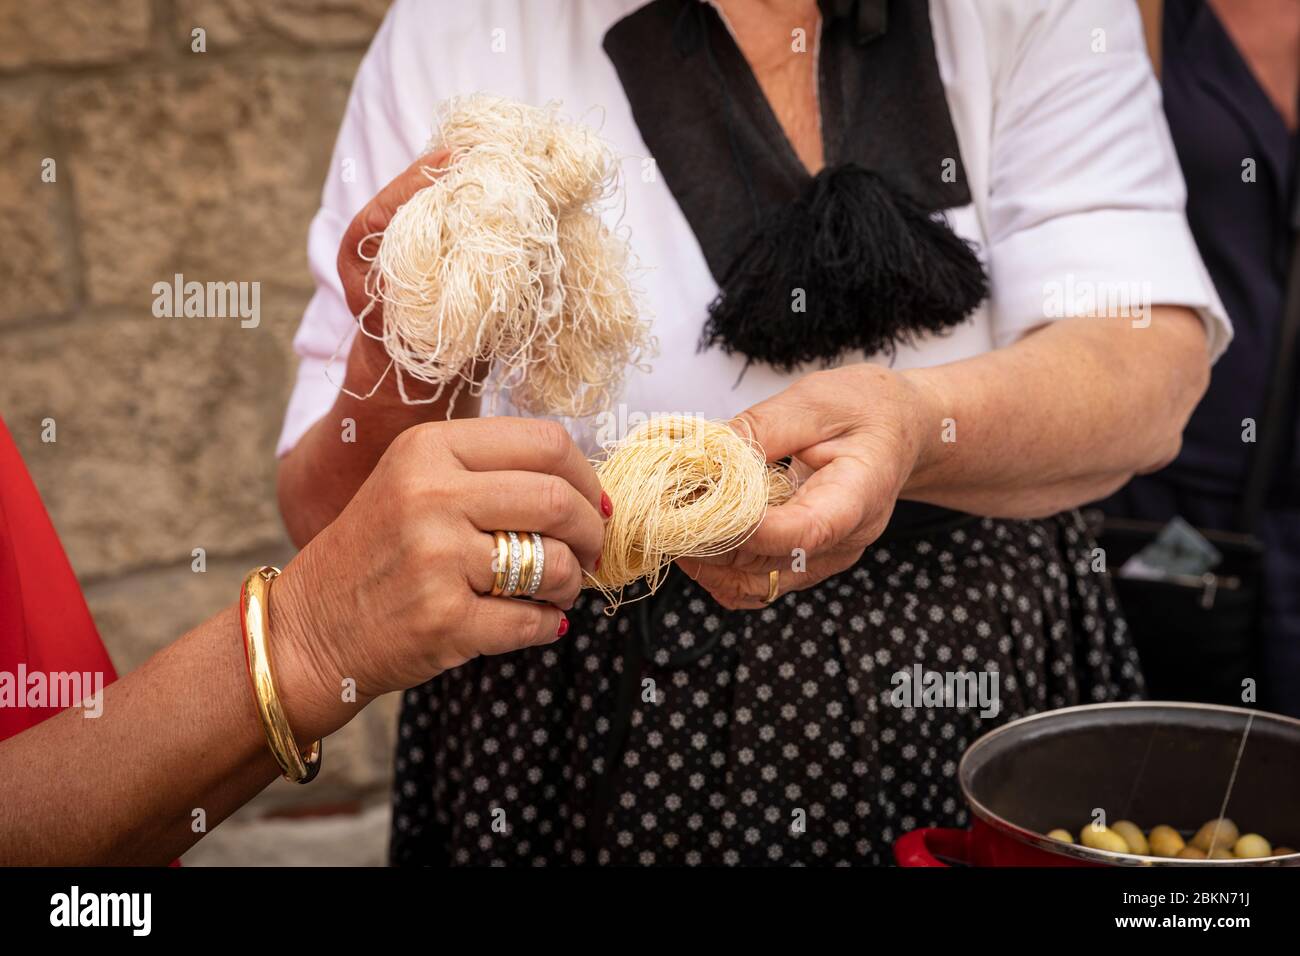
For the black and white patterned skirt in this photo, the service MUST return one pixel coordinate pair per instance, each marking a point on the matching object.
(676, 732)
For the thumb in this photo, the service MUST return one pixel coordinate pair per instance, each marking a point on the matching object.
(783, 425)
(374, 218)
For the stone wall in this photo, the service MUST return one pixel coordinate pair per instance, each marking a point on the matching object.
(127, 157)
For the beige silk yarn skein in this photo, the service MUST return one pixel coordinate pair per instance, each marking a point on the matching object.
(503, 260)
(683, 487)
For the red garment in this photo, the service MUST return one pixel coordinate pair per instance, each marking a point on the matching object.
(44, 622)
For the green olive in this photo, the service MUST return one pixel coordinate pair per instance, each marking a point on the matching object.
(1220, 853)
(1252, 845)
(1165, 841)
(1132, 834)
(1206, 836)
(1191, 853)
(1059, 834)
(1102, 838)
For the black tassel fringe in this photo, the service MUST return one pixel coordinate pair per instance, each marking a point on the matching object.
(876, 269)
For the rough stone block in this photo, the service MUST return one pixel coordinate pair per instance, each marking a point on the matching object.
(165, 431)
(315, 23)
(72, 32)
(35, 269)
(213, 173)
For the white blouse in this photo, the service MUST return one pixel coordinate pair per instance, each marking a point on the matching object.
(1077, 196)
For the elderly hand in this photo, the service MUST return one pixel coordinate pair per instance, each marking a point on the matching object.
(857, 430)
(396, 590)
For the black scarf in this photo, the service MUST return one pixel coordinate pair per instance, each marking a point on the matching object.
(809, 267)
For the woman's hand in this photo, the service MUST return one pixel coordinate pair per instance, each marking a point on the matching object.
(1065, 416)
(394, 591)
(367, 359)
(856, 429)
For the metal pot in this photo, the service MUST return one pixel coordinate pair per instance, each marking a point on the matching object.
(1151, 762)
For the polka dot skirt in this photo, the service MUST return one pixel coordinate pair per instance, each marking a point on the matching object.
(676, 732)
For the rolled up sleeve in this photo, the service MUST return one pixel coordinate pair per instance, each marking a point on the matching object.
(1086, 208)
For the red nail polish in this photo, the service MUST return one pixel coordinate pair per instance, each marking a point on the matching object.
(563, 628)
(606, 506)
(597, 567)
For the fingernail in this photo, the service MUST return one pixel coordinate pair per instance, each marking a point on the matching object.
(606, 506)
(563, 628)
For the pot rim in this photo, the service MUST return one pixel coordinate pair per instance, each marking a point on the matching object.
(1088, 854)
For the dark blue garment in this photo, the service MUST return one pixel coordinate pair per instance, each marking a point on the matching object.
(1220, 118)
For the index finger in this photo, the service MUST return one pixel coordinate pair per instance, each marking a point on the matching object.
(785, 424)
(522, 444)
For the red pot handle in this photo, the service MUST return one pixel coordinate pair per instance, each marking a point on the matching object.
(918, 847)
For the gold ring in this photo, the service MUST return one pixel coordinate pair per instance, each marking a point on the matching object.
(773, 585)
(525, 564)
(501, 565)
(539, 564)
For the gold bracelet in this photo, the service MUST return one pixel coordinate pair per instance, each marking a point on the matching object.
(255, 617)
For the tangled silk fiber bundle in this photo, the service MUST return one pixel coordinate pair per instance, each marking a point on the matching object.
(503, 260)
(684, 487)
